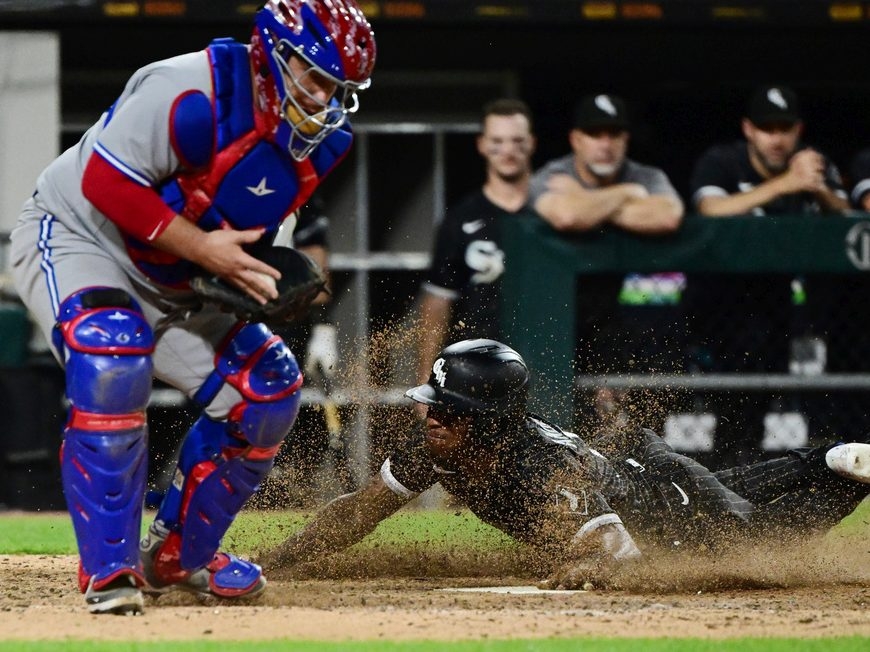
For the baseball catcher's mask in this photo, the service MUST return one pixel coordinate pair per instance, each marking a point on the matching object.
(301, 281)
(336, 40)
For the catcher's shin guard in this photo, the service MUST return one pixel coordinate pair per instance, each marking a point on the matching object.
(222, 463)
(106, 344)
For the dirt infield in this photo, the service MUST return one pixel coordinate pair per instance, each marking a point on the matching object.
(377, 595)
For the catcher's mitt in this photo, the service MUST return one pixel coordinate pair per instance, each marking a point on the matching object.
(301, 281)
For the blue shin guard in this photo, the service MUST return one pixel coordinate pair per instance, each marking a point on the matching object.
(107, 344)
(222, 463)
(103, 482)
(216, 475)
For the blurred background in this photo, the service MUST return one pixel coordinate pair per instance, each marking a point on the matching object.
(685, 67)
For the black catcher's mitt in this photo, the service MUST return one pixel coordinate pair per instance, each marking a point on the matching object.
(301, 281)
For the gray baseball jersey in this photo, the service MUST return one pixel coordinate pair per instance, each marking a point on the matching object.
(62, 243)
(662, 288)
(653, 179)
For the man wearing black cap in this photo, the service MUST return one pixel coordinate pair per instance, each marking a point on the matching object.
(770, 172)
(597, 184)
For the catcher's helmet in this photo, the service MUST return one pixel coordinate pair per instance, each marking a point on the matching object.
(476, 377)
(336, 40)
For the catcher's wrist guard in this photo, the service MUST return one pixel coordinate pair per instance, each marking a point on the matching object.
(301, 281)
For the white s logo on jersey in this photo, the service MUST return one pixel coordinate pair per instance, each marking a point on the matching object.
(486, 259)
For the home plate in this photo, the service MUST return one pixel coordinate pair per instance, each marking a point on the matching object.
(519, 590)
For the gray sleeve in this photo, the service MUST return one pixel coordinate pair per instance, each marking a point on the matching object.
(834, 179)
(136, 139)
(538, 182)
(657, 183)
(538, 185)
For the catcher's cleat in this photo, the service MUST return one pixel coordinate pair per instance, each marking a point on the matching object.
(850, 461)
(117, 595)
(225, 576)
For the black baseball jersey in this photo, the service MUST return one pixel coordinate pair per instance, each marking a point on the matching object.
(517, 494)
(665, 497)
(468, 263)
(726, 170)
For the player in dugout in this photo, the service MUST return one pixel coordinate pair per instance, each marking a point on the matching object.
(592, 510)
(147, 250)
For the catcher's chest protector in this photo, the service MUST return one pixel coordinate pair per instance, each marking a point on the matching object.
(246, 181)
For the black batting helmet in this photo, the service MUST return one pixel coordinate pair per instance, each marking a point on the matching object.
(475, 377)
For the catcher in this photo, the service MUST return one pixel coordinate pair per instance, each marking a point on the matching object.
(146, 251)
(548, 488)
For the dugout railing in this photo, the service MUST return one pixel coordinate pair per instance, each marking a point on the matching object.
(549, 274)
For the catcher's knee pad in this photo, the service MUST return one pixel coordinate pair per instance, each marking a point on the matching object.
(217, 473)
(106, 345)
(263, 370)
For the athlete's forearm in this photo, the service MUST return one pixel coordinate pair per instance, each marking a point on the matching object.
(580, 209)
(221, 252)
(654, 215)
(831, 202)
(742, 203)
(184, 239)
(136, 209)
(600, 547)
(343, 522)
